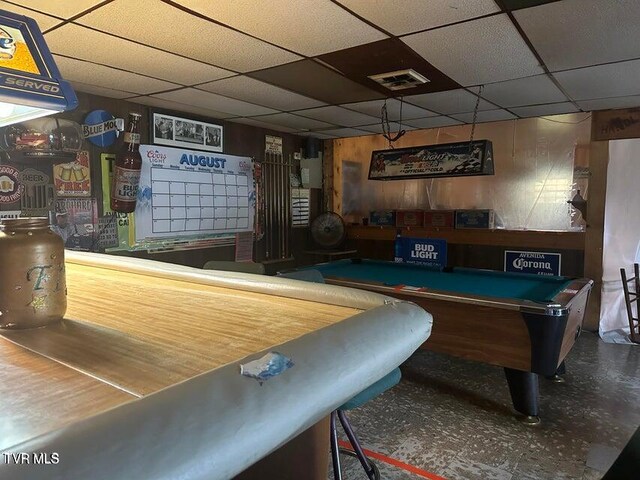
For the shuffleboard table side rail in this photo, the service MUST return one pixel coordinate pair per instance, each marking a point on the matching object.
(220, 422)
(234, 280)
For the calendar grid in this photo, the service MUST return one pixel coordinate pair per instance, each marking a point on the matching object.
(188, 201)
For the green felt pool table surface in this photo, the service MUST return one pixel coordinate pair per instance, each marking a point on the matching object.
(487, 283)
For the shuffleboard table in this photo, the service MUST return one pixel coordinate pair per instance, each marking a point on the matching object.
(524, 323)
(142, 379)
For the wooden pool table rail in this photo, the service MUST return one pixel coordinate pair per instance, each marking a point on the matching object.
(557, 306)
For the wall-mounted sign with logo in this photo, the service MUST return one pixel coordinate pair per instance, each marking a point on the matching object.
(101, 128)
(30, 83)
(461, 159)
(73, 179)
(538, 263)
(10, 187)
(273, 144)
(431, 252)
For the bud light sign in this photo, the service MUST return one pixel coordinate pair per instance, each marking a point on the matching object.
(537, 263)
(430, 252)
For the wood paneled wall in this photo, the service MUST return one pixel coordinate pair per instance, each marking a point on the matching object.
(587, 262)
(239, 139)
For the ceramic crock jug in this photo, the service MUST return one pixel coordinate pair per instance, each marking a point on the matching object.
(33, 290)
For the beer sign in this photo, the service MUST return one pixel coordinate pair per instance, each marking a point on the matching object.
(537, 263)
(432, 161)
(10, 187)
(101, 128)
(29, 78)
(73, 179)
(430, 252)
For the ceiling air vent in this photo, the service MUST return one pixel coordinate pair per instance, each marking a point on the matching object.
(399, 80)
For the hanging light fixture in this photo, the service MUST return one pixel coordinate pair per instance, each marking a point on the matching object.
(30, 84)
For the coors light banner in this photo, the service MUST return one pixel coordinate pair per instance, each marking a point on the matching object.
(432, 161)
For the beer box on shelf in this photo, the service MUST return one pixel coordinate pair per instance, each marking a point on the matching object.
(439, 218)
(382, 218)
(409, 218)
(483, 219)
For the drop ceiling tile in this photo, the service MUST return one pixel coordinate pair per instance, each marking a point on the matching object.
(179, 32)
(377, 128)
(612, 80)
(255, 91)
(45, 22)
(102, 91)
(293, 121)
(59, 8)
(452, 101)
(523, 91)
(476, 52)
(108, 50)
(415, 15)
(337, 116)
(433, 122)
(345, 132)
(200, 98)
(320, 26)
(316, 81)
(321, 136)
(486, 116)
(101, 76)
(517, 4)
(579, 33)
(180, 107)
(543, 110)
(269, 126)
(385, 56)
(606, 103)
(374, 108)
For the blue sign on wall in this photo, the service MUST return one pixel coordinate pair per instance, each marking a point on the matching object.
(431, 252)
(532, 262)
(101, 128)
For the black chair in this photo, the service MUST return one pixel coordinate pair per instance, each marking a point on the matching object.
(631, 297)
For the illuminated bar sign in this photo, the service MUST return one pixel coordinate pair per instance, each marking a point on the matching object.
(30, 84)
(459, 159)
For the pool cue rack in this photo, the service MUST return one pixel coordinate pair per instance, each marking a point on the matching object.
(277, 197)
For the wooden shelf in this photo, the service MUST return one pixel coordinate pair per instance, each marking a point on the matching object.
(505, 238)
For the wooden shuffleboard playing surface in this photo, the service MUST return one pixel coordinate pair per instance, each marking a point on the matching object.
(126, 335)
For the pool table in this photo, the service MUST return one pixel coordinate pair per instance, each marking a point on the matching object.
(524, 323)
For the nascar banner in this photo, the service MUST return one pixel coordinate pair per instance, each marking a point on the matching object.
(432, 161)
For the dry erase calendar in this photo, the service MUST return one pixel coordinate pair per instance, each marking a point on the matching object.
(191, 193)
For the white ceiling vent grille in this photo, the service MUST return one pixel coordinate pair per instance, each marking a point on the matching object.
(400, 79)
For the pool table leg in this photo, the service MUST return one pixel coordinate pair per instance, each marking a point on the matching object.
(524, 394)
(557, 377)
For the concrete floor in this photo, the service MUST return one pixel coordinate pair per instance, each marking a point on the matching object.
(453, 418)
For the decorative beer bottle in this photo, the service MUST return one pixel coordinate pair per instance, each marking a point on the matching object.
(126, 172)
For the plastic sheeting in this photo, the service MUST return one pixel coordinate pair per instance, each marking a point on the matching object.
(534, 165)
(621, 247)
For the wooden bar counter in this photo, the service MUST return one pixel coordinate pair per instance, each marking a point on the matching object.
(148, 359)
